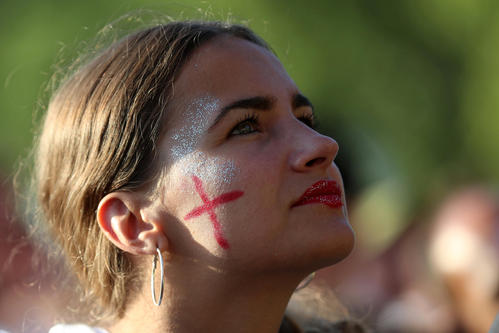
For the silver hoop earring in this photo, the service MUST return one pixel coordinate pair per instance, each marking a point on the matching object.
(153, 291)
(305, 282)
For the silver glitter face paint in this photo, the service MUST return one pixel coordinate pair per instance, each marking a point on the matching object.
(197, 114)
(215, 170)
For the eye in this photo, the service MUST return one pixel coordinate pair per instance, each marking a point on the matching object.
(247, 125)
(308, 119)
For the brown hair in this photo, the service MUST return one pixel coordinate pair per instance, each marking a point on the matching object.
(99, 136)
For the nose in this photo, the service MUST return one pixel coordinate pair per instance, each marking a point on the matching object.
(313, 150)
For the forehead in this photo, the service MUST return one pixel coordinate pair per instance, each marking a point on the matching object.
(226, 69)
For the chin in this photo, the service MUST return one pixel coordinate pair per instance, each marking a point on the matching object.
(332, 246)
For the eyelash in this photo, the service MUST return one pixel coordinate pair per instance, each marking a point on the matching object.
(309, 120)
(252, 119)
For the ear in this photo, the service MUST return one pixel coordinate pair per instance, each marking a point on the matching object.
(123, 218)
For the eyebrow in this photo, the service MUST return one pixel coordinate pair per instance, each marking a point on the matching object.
(262, 103)
(299, 100)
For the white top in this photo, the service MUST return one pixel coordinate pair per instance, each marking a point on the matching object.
(76, 328)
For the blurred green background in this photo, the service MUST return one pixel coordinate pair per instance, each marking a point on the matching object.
(409, 89)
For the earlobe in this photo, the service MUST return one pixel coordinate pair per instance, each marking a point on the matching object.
(121, 219)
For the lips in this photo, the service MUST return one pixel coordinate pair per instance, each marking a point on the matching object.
(325, 192)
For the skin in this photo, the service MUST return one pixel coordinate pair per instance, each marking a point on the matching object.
(273, 160)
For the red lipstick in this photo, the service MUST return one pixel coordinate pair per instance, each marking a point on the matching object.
(326, 192)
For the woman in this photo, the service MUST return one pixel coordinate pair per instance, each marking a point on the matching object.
(188, 143)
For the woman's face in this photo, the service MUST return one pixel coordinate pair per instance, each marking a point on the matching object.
(247, 181)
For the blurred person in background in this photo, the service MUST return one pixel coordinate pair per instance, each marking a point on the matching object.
(464, 251)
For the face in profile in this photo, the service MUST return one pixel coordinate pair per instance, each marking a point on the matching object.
(247, 180)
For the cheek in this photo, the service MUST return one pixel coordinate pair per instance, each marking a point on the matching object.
(201, 187)
(218, 172)
(224, 205)
(258, 218)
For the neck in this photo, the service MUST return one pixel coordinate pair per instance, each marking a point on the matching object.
(200, 299)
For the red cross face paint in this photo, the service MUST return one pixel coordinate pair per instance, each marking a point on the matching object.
(209, 208)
